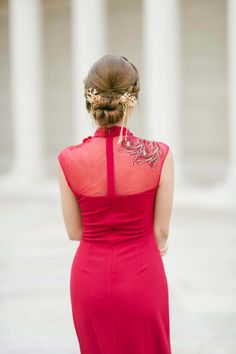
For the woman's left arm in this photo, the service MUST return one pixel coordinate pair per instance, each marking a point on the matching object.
(70, 208)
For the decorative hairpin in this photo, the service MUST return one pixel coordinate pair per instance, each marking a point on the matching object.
(126, 99)
(92, 95)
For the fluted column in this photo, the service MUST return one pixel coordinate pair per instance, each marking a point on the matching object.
(88, 45)
(25, 56)
(161, 72)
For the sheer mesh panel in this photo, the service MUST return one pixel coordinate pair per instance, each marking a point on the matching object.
(132, 178)
(85, 169)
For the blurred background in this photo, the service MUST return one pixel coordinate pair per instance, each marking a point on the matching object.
(186, 56)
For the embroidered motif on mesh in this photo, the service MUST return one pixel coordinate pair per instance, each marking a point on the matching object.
(142, 149)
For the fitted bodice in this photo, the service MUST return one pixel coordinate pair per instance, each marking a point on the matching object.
(115, 184)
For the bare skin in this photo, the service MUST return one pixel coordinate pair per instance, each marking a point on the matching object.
(70, 208)
(164, 202)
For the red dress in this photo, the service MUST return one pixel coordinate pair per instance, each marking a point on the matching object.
(118, 285)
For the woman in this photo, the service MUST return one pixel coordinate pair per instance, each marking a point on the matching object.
(116, 193)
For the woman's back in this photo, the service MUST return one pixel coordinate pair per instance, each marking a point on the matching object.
(114, 184)
(119, 291)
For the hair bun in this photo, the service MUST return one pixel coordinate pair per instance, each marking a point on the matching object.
(107, 113)
(111, 77)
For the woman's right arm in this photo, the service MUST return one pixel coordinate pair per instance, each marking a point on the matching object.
(164, 201)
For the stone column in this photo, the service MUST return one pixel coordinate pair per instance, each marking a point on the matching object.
(25, 54)
(231, 23)
(161, 72)
(88, 45)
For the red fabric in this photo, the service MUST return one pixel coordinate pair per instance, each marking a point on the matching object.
(118, 285)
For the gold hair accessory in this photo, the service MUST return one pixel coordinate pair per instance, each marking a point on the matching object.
(92, 96)
(126, 99)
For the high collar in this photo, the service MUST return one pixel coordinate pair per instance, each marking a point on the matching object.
(112, 131)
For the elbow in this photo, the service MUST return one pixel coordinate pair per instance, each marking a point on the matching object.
(74, 237)
(74, 233)
(161, 234)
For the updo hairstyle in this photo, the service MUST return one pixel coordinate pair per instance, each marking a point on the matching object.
(111, 76)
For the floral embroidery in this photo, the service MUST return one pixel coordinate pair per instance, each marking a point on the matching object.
(142, 149)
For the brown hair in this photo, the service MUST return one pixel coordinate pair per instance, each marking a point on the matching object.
(111, 76)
